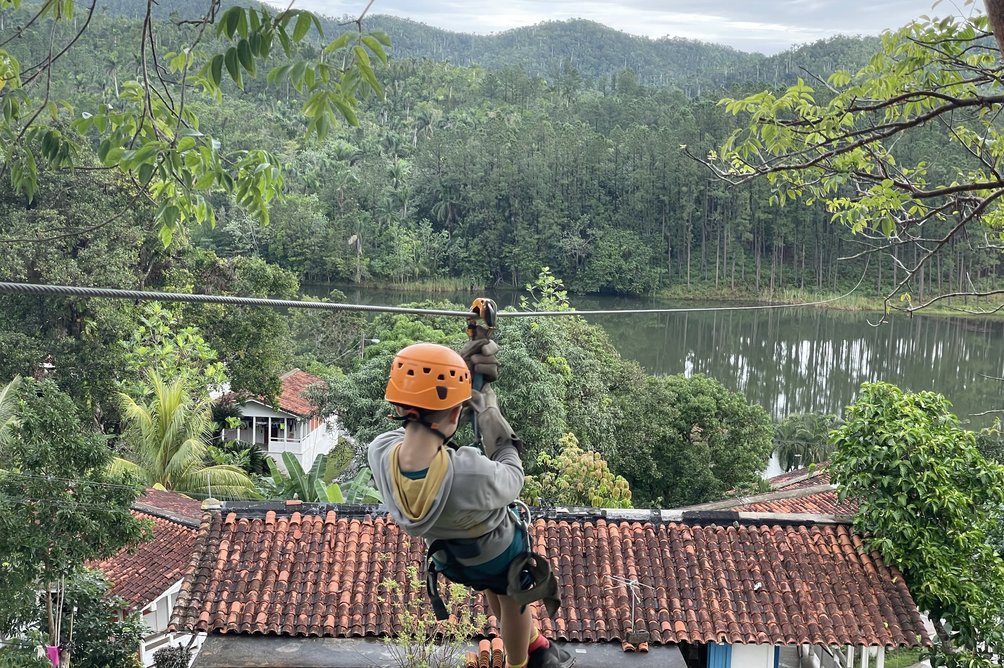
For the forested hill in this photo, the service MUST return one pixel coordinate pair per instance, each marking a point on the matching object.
(595, 52)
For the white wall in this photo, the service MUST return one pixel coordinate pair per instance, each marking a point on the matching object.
(156, 616)
(752, 656)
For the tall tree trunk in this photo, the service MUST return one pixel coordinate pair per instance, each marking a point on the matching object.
(995, 12)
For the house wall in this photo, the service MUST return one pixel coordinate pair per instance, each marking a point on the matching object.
(318, 442)
(753, 656)
(308, 439)
(156, 616)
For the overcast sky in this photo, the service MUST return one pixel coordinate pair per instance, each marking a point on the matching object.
(767, 26)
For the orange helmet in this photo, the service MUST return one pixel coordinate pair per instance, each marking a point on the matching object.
(428, 376)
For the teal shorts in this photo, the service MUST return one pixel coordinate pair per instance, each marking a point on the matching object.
(492, 575)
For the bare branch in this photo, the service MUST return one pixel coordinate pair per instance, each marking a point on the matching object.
(954, 295)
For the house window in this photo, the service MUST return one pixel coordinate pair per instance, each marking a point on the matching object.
(282, 428)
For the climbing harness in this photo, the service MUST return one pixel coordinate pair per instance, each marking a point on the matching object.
(529, 577)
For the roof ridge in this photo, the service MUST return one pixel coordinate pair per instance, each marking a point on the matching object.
(812, 471)
(776, 495)
(168, 515)
(695, 515)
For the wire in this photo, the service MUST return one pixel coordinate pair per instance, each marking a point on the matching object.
(145, 295)
(63, 503)
(76, 481)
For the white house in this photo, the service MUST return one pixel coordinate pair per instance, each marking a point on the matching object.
(148, 577)
(292, 425)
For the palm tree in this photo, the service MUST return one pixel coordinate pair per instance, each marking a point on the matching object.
(8, 413)
(802, 439)
(168, 436)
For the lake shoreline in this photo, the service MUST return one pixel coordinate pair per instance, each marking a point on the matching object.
(837, 301)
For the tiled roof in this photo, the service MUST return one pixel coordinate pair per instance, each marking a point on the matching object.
(314, 570)
(291, 398)
(803, 477)
(141, 576)
(816, 503)
(162, 502)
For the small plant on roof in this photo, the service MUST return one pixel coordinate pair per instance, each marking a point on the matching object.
(420, 640)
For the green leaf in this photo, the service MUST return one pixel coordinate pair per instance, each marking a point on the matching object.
(233, 66)
(375, 47)
(302, 26)
(229, 21)
(244, 55)
(216, 69)
(320, 493)
(339, 42)
(296, 473)
(334, 493)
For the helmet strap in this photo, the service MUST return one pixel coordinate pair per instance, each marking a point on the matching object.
(418, 417)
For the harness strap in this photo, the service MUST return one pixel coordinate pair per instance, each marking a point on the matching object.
(543, 585)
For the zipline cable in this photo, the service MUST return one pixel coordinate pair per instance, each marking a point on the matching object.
(42, 290)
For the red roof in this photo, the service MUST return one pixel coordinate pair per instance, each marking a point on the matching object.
(292, 399)
(269, 569)
(142, 574)
(803, 477)
(166, 504)
(814, 503)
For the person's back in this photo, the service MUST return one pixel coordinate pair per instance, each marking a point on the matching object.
(458, 499)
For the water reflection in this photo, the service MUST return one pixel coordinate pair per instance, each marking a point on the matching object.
(800, 359)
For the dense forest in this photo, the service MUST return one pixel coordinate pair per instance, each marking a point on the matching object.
(557, 145)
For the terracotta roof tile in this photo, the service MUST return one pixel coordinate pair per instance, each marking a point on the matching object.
(142, 575)
(291, 399)
(313, 570)
(170, 503)
(818, 503)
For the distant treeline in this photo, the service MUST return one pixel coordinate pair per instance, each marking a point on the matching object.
(558, 145)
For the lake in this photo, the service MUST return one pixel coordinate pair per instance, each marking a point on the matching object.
(795, 360)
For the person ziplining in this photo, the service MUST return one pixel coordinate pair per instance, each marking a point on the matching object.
(463, 500)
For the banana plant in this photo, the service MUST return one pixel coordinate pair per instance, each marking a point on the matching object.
(311, 486)
(304, 485)
(360, 489)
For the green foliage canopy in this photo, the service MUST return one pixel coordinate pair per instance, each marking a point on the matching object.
(59, 505)
(151, 133)
(839, 145)
(929, 503)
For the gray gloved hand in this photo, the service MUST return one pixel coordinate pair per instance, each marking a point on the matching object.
(495, 430)
(479, 353)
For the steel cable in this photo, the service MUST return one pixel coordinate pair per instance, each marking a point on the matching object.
(149, 295)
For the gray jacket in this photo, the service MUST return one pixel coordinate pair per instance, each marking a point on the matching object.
(473, 501)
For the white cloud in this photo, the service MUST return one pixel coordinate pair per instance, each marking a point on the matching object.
(763, 25)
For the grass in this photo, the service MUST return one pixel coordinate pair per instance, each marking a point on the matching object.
(427, 285)
(982, 308)
(901, 658)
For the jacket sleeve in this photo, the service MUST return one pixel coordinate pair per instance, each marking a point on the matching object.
(375, 454)
(488, 483)
(495, 430)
